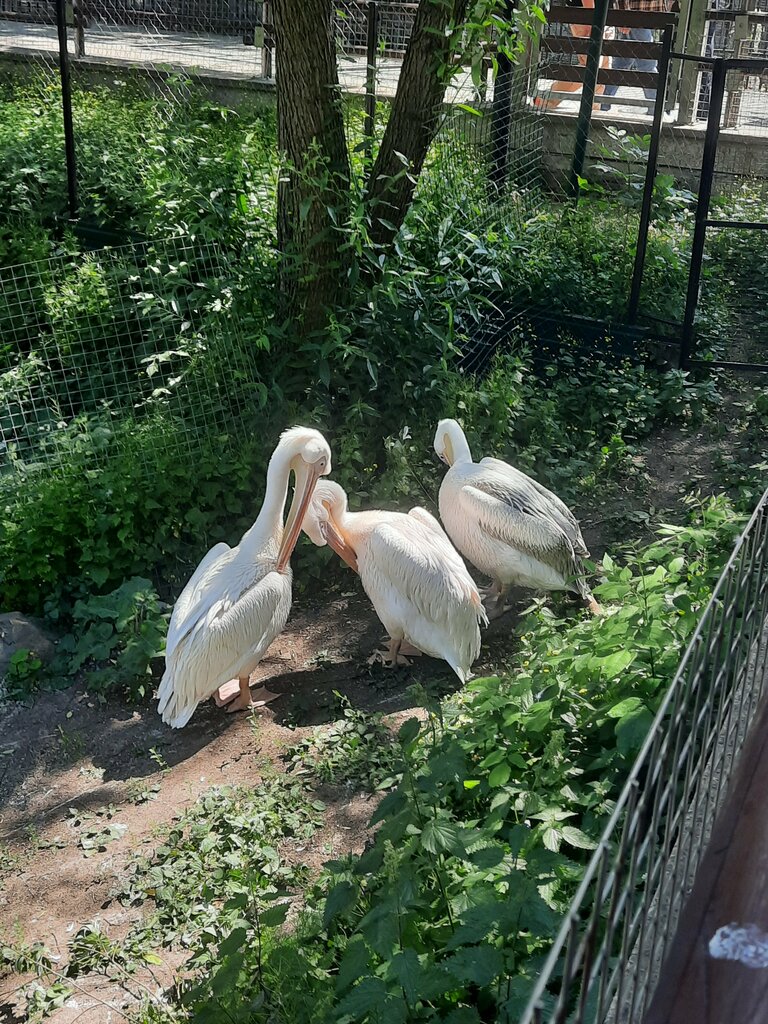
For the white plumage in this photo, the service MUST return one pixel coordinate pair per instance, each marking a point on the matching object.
(415, 579)
(508, 525)
(238, 599)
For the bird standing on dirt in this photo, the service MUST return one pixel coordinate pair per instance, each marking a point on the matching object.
(415, 579)
(508, 525)
(238, 599)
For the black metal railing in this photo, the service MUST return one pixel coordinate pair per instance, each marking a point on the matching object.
(608, 956)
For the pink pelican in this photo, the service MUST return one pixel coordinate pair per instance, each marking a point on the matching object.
(507, 525)
(415, 579)
(238, 599)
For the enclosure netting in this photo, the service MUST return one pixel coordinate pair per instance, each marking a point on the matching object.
(99, 346)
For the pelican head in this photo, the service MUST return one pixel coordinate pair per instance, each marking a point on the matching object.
(451, 444)
(324, 521)
(308, 456)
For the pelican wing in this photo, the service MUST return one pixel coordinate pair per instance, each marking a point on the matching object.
(226, 636)
(504, 515)
(416, 579)
(448, 552)
(542, 500)
(188, 603)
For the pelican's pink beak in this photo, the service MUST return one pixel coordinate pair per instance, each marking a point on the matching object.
(335, 541)
(296, 515)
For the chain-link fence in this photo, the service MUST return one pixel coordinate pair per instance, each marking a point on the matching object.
(608, 956)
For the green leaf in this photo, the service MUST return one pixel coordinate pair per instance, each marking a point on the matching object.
(539, 716)
(632, 729)
(354, 963)
(614, 664)
(475, 965)
(234, 941)
(380, 927)
(340, 900)
(275, 915)
(369, 997)
(624, 707)
(575, 837)
(404, 968)
(408, 731)
(438, 835)
(499, 776)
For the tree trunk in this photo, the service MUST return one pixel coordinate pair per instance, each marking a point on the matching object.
(414, 117)
(313, 192)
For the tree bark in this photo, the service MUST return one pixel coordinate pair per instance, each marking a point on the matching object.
(414, 117)
(313, 192)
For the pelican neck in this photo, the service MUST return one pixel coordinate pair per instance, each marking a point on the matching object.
(269, 522)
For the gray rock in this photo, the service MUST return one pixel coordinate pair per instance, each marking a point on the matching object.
(20, 632)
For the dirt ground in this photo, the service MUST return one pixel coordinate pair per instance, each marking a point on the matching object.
(68, 750)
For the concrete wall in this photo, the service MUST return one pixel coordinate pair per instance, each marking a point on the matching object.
(680, 153)
(680, 150)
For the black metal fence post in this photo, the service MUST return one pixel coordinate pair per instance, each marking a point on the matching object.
(501, 113)
(66, 104)
(372, 46)
(702, 208)
(650, 174)
(78, 11)
(591, 71)
(267, 43)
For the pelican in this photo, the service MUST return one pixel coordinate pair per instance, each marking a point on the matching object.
(415, 579)
(238, 599)
(510, 527)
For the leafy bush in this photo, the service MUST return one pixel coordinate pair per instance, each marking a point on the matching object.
(449, 913)
(116, 637)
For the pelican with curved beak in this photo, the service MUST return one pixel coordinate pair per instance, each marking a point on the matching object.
(238, 599)
(414, 577)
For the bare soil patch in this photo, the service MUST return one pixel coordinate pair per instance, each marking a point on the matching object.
(68, 750)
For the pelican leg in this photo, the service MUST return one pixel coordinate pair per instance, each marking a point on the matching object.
(405, 648)
(243, 701)
(391, 657)
(593, 606)
(226, 693)
(493, 599)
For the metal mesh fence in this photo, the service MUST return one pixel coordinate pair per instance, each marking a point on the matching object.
(99, 345)
(212, 38)
(608, 955)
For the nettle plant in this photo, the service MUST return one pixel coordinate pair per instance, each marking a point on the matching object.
(449, 912)
(115, 639)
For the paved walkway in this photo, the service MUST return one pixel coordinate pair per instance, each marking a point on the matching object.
(218, 54)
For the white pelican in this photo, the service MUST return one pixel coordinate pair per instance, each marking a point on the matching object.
(415, 579)
(238, 599)
(510, 527)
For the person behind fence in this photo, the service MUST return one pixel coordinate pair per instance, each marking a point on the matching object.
(632, 63)
(577, 32)
(638, 35)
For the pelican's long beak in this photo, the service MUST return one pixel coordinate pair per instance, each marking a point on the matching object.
(335, 541)
(299, 506)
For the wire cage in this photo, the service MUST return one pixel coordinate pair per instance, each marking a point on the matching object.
(609, 953)
(100, 346)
